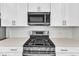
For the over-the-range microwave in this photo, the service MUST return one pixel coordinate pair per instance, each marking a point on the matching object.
(39, 18)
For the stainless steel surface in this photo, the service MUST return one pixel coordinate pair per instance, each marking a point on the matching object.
(40, 48)
(39, 44)
(36, 18)
(40, 33)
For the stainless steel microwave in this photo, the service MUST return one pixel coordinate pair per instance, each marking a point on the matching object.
(39, 18)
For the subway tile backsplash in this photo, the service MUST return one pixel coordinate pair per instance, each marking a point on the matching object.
(54, 32)
(75, 33)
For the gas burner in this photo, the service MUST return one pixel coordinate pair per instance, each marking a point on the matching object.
(39, 45)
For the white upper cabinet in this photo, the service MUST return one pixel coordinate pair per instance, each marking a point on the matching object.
(39, 7)
(45, 7)
(65, 14)
(58, 15)
(13, 14)
(8, 14)
(21, 14)
(62, 14)
(73, 14)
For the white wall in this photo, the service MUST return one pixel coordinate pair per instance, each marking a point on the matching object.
(21, 31)
(61, 32)
(55, 32)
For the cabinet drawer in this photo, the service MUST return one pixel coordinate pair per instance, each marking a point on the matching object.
(1, 49)
(11, 54)
(68, 54)
(12, 49)
(67, 49)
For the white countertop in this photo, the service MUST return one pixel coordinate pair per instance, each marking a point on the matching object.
(59, 42)
(14, 42)
(65, 42)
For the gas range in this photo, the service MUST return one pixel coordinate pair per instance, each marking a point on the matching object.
(38, 45)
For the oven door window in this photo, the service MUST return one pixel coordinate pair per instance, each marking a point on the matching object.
(36, 18)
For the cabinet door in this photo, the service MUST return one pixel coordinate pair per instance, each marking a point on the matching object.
(11, 49)
(39, 7)
(67, 54)
(33, 7)
(45, 7)
(73, 14)
(8, 14)
(58, 11)
(10, 54)
(21, 14)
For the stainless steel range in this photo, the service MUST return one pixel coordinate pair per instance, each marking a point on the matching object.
(39, 44)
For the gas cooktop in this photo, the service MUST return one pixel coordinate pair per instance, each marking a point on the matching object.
(39, 41)
(39, 45)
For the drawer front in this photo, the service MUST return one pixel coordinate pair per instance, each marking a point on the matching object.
(67, 54)
(67, 49)
(12, 49)
(11, 54)
(1, 49)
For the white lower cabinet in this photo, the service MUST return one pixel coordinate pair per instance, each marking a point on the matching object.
(67, 54)
(10, 54)
(67, 51)
(11, 51)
